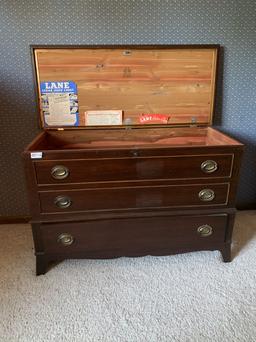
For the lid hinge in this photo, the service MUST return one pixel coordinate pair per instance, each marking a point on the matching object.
(193, 121)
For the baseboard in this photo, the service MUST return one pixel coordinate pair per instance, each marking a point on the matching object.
(246, 207)
(14, 219)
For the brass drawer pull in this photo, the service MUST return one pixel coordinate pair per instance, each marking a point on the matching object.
(62, 202)
(209, 166)
(65, 239)
(206, 195)
(59, 172)
(205, 230)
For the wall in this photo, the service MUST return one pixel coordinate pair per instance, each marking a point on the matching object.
(227, 22)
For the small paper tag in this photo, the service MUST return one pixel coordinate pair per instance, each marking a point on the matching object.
(103, 117)
(36, 155)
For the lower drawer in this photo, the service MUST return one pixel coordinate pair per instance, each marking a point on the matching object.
(133, 236)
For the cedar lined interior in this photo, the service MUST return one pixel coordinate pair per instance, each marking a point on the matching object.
(132, 138)
(172, 81)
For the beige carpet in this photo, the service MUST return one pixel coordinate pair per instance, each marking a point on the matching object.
(191, 297)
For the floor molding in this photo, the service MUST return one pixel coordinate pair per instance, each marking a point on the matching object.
(14, 219)
(246, 207)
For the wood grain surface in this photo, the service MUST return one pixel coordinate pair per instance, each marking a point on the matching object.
(173, 81)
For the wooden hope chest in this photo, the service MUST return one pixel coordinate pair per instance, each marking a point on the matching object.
(159, 183)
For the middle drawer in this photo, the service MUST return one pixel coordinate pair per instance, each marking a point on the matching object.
(162, 196)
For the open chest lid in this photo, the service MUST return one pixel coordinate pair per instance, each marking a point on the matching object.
(160, 84)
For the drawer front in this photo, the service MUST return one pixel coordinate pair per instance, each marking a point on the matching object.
(133, 198)
(134, 168)
(134, 235)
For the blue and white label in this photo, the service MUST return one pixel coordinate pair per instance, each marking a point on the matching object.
(58, 87)
(59, 103)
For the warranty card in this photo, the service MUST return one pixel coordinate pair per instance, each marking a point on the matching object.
(103, 117)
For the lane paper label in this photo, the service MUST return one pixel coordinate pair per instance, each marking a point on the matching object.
(59, 103)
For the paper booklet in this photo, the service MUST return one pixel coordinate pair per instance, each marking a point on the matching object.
(59, 103)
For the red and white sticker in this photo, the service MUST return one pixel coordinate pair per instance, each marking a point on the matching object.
(149, 118)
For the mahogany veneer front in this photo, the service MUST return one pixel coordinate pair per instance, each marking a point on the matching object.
(112, 183)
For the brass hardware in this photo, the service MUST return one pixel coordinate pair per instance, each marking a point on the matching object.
(205, 230)
(128, 122)
(193, 121)
(62, 202)
(127, 52)
(66, 239)
(59, 172)
(209, 166)
(206, 195)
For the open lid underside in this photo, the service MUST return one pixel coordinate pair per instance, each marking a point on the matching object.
(172, 80)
